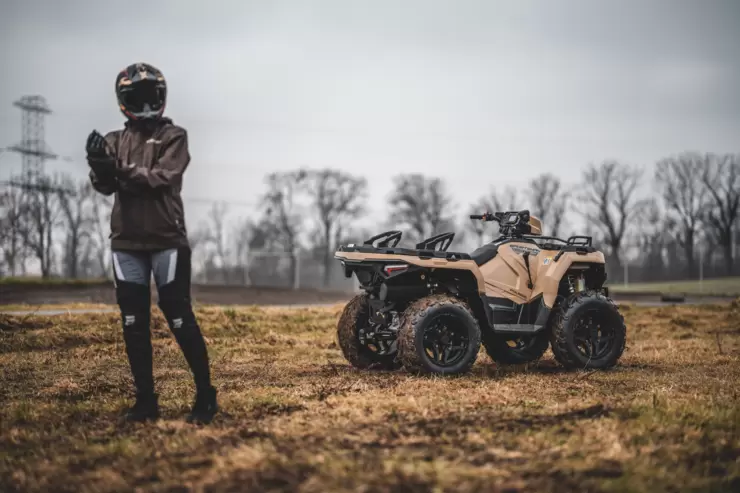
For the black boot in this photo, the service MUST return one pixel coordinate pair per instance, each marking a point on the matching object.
(146, 408)
(204, 408)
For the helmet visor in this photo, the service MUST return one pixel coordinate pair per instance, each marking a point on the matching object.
(143, 97)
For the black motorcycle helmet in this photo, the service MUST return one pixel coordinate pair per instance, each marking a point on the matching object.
(141, 91)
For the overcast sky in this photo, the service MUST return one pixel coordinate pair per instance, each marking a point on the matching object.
(481, 93)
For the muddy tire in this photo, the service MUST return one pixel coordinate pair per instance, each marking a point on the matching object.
(525, 349)
(439, 334)
(588, 332)
(354, 318)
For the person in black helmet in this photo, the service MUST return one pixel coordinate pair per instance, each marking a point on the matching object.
(143, 165)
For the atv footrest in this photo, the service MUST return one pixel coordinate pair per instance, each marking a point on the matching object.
(517, 328)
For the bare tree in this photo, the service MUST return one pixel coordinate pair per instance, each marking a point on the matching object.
(609, 201)
(548, 201)
(652, 238)
(75, 201)
(213, 237)
(501, 201)
(721, 176)
(505, 200)
(41, 217)
(282, 211)
(420, 204)
(243, 232)
(11, 223)
(477, 228)
(337, 199)
(684, 194)
(101, 206)
(265, 268)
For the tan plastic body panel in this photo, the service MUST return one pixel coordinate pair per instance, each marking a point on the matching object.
(535, 225)
(432, 263)
(549, 273)
(505, 276)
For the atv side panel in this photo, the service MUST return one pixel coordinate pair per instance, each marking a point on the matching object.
(507, 274)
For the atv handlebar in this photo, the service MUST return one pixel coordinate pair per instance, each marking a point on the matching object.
(511, 223)
(485, 217)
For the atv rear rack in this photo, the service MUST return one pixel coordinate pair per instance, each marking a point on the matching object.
(385, 239)
(443, 241)
(421, 253)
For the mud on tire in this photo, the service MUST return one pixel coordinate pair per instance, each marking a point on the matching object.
(355, 317)
(588, 332)
(528, 348)
(438, 334)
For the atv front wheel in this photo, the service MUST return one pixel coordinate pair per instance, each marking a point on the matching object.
(354, 319)
(510, 350)
(439, 334)
(588, 332)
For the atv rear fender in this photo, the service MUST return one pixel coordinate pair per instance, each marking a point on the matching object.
(550, 274)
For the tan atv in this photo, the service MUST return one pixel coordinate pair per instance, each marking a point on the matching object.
(428, 309)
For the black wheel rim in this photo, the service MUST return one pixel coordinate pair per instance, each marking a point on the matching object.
(595, 334)
(445, 341)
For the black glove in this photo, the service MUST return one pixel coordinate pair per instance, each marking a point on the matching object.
(99, 157)
(96, 145)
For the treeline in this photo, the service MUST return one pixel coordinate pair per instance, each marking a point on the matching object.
(665, 225)
(56, 223)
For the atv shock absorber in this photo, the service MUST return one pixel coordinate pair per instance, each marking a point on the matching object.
(576, 283)
(581, 283)
(571, 288)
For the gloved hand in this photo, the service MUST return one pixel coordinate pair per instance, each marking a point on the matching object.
(96, 145)
(99, 157)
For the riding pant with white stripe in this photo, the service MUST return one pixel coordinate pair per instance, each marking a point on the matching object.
(171, 270)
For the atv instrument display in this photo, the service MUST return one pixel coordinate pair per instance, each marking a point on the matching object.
(429, 310)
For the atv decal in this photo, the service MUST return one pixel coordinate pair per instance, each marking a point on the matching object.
(547, 261)
(522, 250)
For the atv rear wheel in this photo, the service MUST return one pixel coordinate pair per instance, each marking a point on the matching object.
(356, 318)
(439, 334)
(588, 332)
(510, 350)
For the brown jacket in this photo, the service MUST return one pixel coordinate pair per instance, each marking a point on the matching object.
(148, 212)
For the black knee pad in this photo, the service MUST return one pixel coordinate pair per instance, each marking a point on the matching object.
(179, 314)
(134, 302)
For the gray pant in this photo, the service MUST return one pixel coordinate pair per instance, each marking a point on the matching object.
(138, 267)
(171, 271)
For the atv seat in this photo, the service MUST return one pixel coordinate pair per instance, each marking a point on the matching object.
(484, 254)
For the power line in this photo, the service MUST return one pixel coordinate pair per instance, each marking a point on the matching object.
(38, 187)
(210, 201)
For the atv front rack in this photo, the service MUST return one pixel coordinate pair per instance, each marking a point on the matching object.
(579, 244)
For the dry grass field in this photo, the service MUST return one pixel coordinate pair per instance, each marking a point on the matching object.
(722, 287)
(296, 417)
